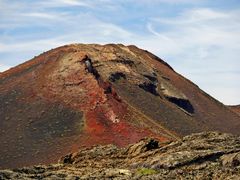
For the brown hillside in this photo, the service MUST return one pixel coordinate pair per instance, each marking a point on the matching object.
(82, 95)
(235, 109)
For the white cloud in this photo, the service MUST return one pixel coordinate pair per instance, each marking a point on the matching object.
(194, 16)
(72, 2)
(40, 15)
(199, 43)
(96, 31)
(62, 3)
(169, 1)
(210, 40)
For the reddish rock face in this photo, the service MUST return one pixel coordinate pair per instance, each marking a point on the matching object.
(235, 109)
(83, 95)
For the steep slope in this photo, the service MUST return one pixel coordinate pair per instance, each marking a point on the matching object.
(81, 95)
(235, 109)
(200, 156)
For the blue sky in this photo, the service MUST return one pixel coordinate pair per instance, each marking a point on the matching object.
(200, 39)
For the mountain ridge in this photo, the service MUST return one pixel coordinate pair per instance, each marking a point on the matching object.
(81, 95)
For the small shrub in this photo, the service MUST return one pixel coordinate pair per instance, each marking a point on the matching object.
(146, 171)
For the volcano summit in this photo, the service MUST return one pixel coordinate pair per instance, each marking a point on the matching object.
(82, 95)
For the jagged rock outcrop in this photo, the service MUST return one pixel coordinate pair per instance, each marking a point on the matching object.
(81, 95)
(209, 155)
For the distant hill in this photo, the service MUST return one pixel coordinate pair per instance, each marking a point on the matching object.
(82, 95)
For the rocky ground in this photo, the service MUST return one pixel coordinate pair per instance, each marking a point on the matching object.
(209, 155)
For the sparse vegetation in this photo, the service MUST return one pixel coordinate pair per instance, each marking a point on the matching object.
(146, 171)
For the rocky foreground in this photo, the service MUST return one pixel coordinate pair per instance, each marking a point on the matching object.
(210, 155)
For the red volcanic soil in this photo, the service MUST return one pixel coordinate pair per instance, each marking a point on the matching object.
(82, 95)
(235, 109)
